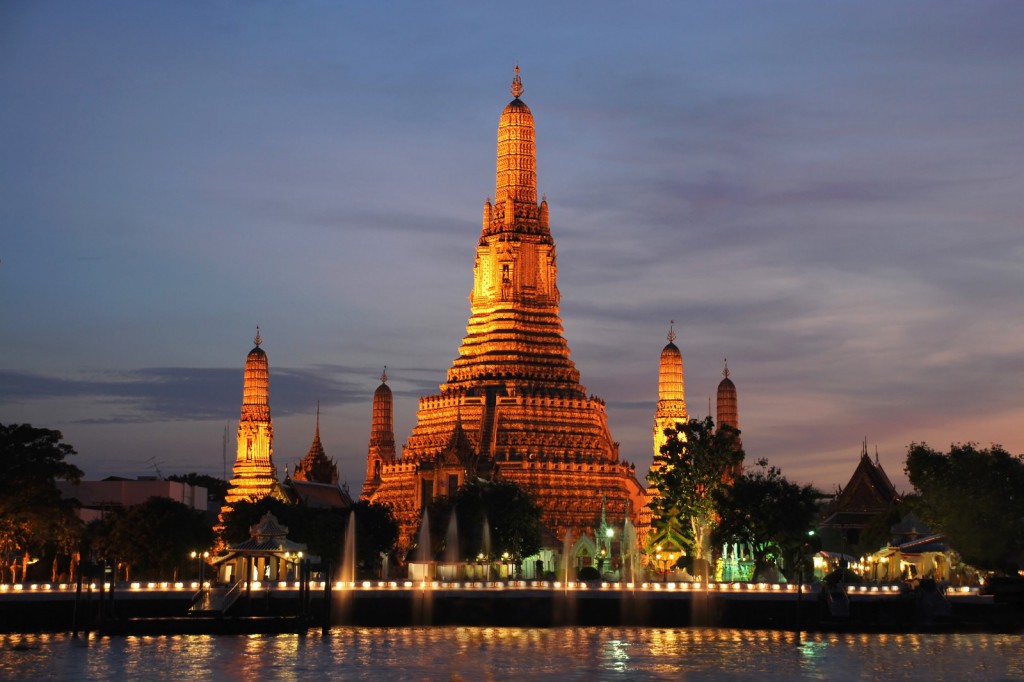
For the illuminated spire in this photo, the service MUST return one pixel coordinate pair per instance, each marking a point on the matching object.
(517, 84)
(671, 408)
(315, 467)
(728, 411)
(382, 435)
(517, 154)
(255, 476)
(670, 373)
(256, 384)
(381, 451)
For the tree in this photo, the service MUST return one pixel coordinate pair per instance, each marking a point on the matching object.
(32, 513)
(322, 530)
(243, 514)
(153, 540)
(512, 515)
(770, 514)
(696, 461)
(976, 497)
(376, 534)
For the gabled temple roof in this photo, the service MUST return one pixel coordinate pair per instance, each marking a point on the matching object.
(869, 488)
(318, 495)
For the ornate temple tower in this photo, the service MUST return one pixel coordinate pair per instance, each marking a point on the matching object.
(728, 406)
(727, 409)
(254, 474)
(315, 467)
(513, 406)
(382, 435)
(671, 407)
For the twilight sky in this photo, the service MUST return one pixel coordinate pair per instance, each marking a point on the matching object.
(829, 194)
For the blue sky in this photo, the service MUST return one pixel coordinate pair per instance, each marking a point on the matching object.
(828, 194)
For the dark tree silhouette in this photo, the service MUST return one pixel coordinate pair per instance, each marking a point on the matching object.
(32, 514)
(770, 514)
(976, 497)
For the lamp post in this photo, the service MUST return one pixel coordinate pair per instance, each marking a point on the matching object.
(609, 533)
(201, 557)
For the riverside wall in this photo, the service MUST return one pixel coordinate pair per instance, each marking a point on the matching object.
(164, 608)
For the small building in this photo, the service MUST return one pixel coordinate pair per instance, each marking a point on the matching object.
(867, 498)
(916, 552)
(100, 497)
(268, 551)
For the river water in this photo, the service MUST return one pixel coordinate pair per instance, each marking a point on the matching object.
(467, 653)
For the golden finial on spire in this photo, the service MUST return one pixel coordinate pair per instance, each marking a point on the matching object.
(671, 331)
(384, 375)
(259, 339)
(517, 84)
(318, 419)
(725, 372)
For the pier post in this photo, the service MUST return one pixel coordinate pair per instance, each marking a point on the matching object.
(248, 585)
(325, 627)
(78, 598)
(799, 600)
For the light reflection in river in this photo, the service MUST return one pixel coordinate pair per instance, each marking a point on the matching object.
(451, 653)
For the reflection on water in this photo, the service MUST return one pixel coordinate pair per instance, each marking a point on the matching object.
(518, 654)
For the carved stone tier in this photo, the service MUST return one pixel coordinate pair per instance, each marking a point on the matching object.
(514, 428)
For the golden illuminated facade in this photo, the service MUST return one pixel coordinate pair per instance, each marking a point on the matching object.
(671, 408)
(254, 476)
(512, 405)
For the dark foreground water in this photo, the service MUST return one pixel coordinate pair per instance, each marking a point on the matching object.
(458, 653)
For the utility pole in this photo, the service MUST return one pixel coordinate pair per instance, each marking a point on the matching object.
(224, 453)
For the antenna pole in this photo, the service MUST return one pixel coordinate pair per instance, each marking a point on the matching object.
(224, 453)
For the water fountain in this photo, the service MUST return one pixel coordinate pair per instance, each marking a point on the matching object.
(348, 554)
(451, 568)
(347, 576)
(630, 559)
(632, 611)
(421, 568)
(485, 551)
(566, 563)
(564, 601)
(451, 540)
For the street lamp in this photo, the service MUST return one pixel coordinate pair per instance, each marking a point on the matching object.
(201, 557)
